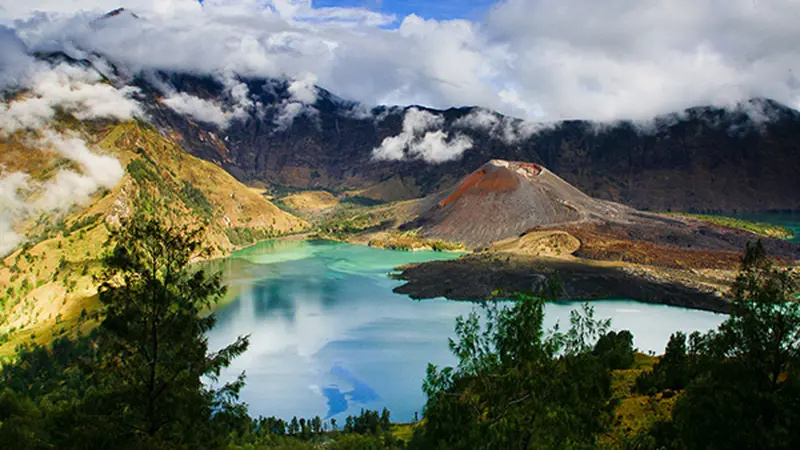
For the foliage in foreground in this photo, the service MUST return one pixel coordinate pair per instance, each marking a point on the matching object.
(743, 380)
(136, 381)
(518, 386)
(141, 379)
(368, 430)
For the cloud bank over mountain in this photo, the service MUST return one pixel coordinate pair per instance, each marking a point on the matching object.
(73, 89)
(541, 60)
(21, 196)
(423, 138)
(42, 90)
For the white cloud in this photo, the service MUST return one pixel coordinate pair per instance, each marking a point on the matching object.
(422, 138)
(436, 147)
(303, 89)
(415, 123)
(356, 111)
(289, 111)
(243, 105)
(197, 108)
(68, 187)
(584, 59)
(542, 60)
(507, 129)
(302, 96)
(20, 196)
(75, 90)
(238, 107)
(45, 89)
(23, 10)
(481, 119)
(31, 113)
(12, 206)
(15, 63)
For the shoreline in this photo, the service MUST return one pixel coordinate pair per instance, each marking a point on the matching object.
(479, 277)
(475, 277)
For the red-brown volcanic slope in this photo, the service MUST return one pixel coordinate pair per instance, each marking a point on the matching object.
(503, 199)
(485, 179)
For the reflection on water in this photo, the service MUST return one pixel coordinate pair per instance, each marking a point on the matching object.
(328, 336)
(359, 393)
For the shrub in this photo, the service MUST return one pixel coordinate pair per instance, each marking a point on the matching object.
(615, 350)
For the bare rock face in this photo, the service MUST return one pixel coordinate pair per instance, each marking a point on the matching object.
(504, 199)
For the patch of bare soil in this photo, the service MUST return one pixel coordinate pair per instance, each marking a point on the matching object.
(392, 190)
(310, 201)
(539, 243)
(651, 240)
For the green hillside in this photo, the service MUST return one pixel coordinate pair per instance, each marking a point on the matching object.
(51, 279)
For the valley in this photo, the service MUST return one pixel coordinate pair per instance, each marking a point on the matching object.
(516, 223)
(519, 230)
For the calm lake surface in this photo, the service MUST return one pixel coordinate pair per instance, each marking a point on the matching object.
(328, 336)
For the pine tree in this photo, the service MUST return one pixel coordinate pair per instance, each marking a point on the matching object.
(154, 351)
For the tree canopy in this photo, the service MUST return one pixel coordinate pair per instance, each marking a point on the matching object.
(747, 391)
(139, 379)
(742, 384)
(517, 385)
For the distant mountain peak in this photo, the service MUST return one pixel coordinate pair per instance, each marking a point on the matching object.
(119, 11)
(116, 14)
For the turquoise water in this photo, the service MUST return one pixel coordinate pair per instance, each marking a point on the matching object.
(328, 336)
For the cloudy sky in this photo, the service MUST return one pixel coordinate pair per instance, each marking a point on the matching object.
(535, 59)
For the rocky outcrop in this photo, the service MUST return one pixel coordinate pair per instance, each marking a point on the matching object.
(479, 277)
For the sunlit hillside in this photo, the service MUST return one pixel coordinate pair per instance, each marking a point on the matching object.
(50, 280)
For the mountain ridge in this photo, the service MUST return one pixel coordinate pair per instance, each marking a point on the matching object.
(703, 159)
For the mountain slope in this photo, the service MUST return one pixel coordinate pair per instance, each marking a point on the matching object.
(504, 199)
(51, 278)
(527, 206)
(701, 159)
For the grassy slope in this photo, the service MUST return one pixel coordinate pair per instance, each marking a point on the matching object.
(759, 228)
(377, 226)
(634, 413)
(310, 202)
(49, 281)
